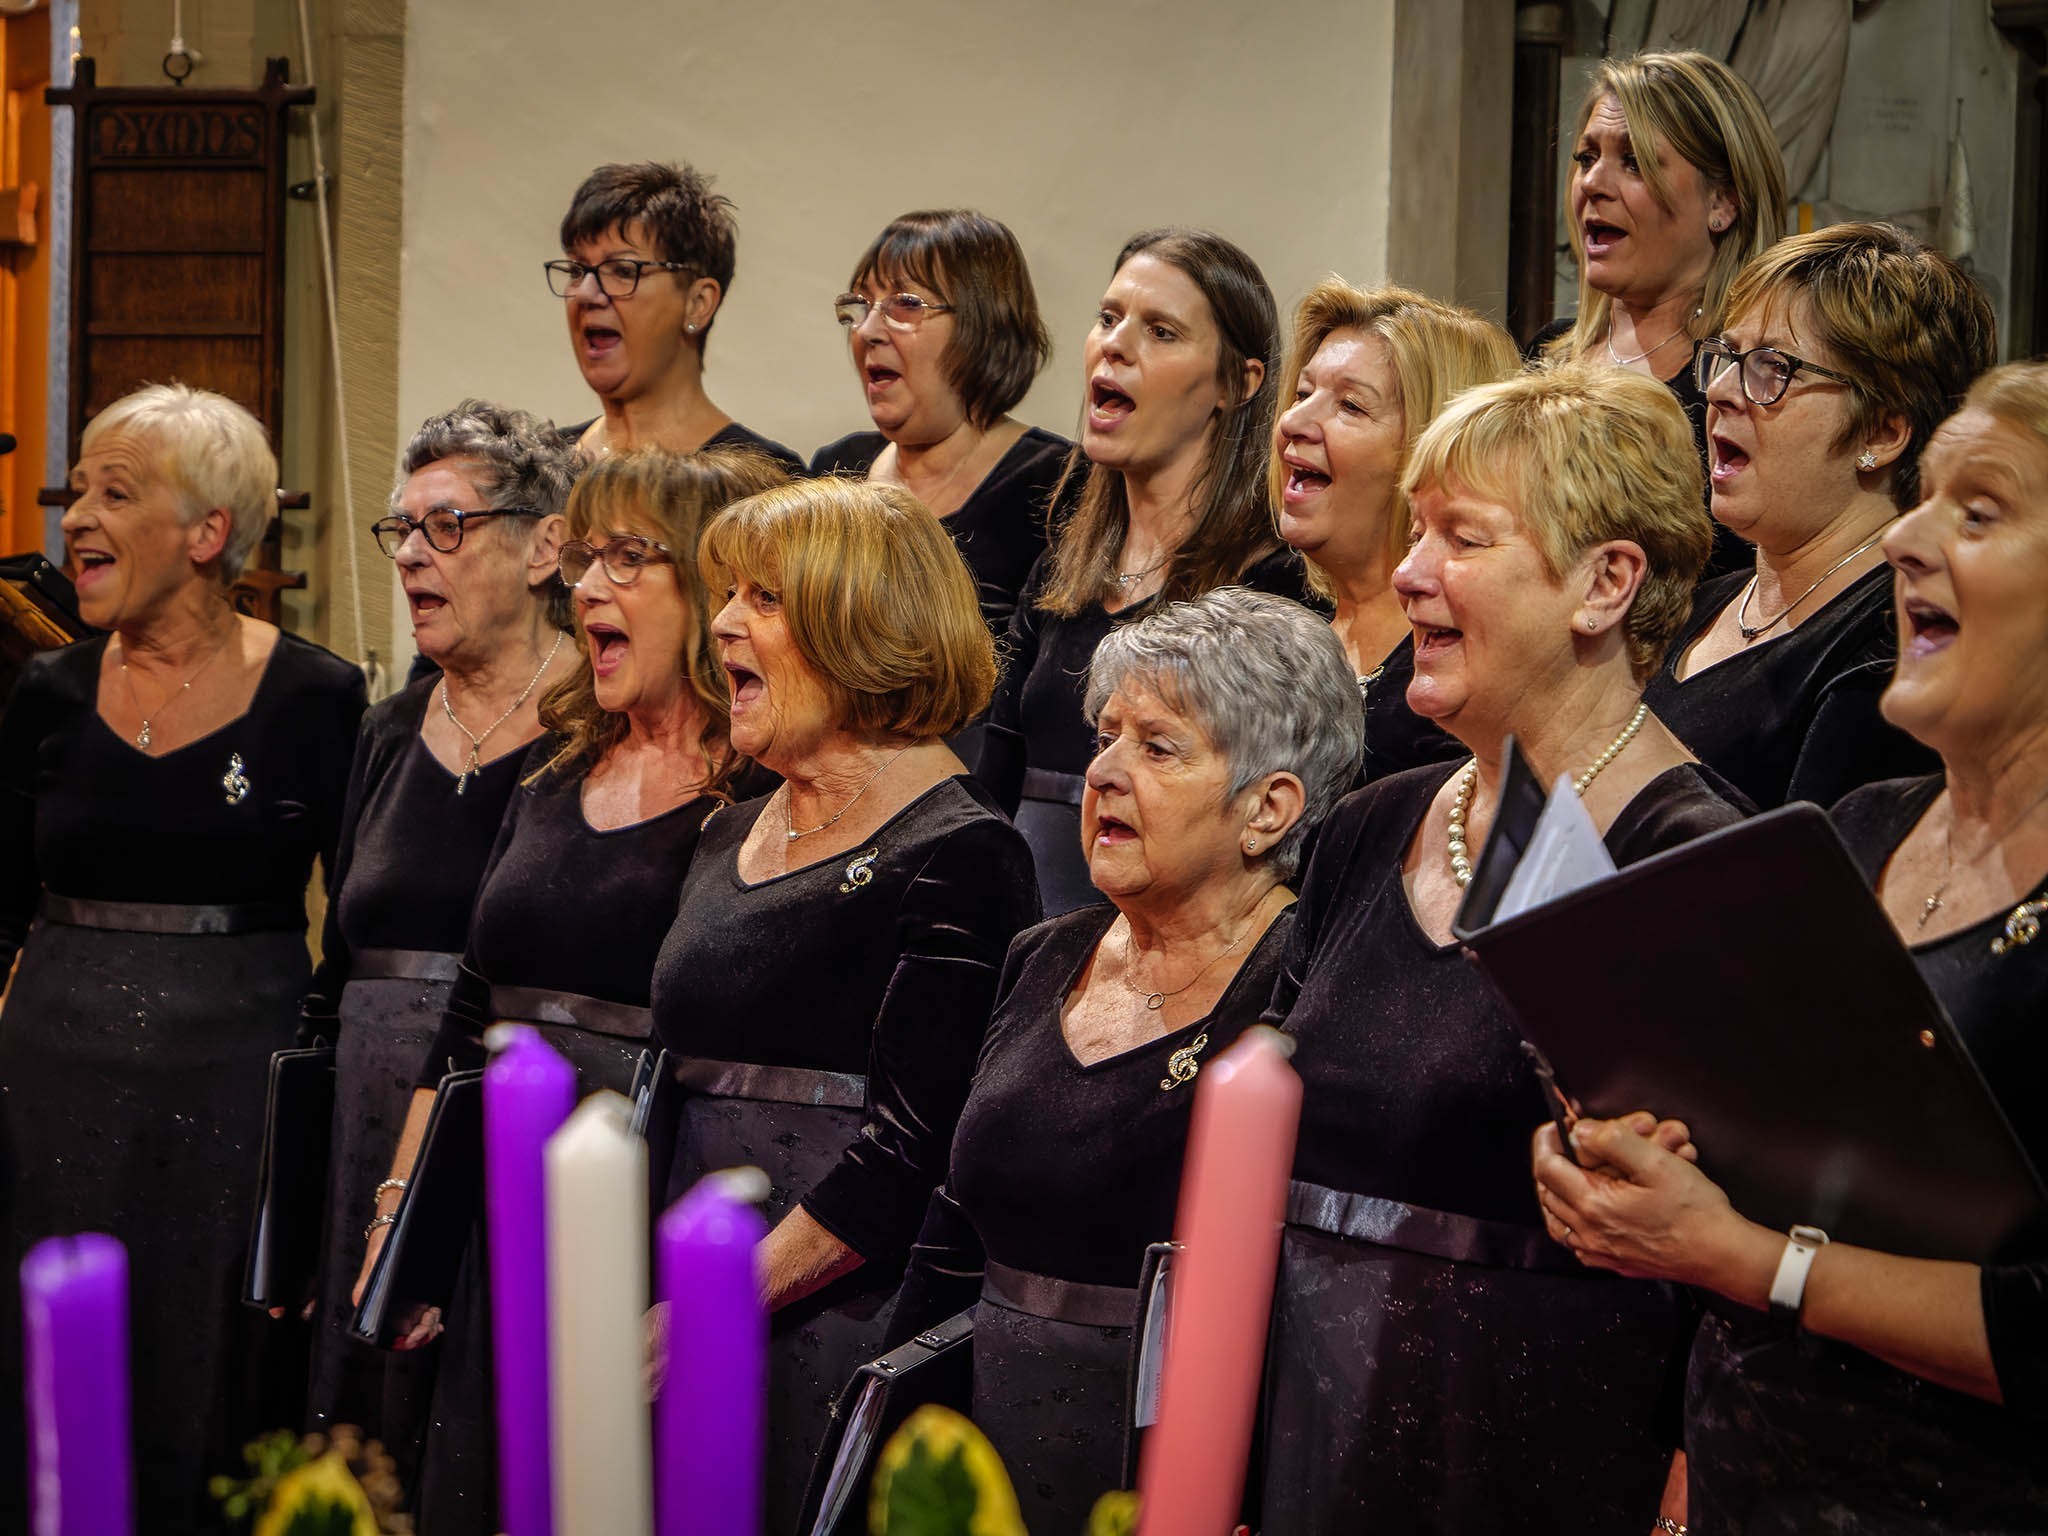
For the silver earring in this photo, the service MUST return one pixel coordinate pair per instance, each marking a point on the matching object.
(690, 329)
(1866, 460)
(1251, 845)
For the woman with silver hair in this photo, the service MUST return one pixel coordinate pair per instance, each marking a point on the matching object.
(164, 790)
(474, 527)
(1225, 729)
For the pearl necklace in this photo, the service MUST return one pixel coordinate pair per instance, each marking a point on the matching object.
(476, 742)
(1752, 631)
(1468, 781)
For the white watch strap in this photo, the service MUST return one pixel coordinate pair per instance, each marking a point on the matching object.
(1788, 1287)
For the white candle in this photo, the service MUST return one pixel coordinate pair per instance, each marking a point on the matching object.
(597, 1294)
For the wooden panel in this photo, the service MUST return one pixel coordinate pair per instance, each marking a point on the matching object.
(117, 365)
(177, 210)
(141, 292)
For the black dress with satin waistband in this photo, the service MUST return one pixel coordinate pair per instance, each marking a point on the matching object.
(872, 973)
(1437, 1364)
(133, 1064)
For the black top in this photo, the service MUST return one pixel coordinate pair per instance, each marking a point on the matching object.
(1397, 738)
(1417, 1089)
(1794, 717)
(1998, 1004)
(879, 961)
(1000, 528)
(1071, 1170)
(1036, 719)
(412, 850)
(234, 817)
(563, 907)
(731, 435)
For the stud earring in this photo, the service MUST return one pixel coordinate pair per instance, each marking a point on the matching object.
(1251, 845)
(690, 329)
(1866, 460)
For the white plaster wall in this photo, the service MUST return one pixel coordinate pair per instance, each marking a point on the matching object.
(1075, 123)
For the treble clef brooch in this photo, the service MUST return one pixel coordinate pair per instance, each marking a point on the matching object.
(1183, 1064)
(2022, 926)
(858, 870)
(235, 781)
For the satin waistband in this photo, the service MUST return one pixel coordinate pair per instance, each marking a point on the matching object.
(1064, 1301)
(1062, 788)
(167, 917)
(536, 1005)
(403, 965)
(1418, 1229)
(774, 1085)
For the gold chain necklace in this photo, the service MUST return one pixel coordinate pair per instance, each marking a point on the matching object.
(790, 834)
(1468, 781)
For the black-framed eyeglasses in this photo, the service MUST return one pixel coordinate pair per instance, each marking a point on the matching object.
(442, 528)
(623, 558)
(617, 277)
(903, 311)
(1766, 372)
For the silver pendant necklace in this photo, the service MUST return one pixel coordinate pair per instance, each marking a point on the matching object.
(1752, 631)
(144, 736)
(792, 834)
(476, 742)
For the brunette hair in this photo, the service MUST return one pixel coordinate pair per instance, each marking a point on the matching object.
(973, 263)
(1231, 529)
(674, 205)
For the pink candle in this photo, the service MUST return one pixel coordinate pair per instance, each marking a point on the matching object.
(74, 1303)
(1233, 1200)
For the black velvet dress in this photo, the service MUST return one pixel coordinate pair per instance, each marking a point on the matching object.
(1000, 528)
(1396, 738)
(412, 854)
(1437, 1364)
(829, 1019)
(1039, 743)
(1795, 717)
(133, 1063)
(1787, 1432)
(567, 923)
(1065, 1174)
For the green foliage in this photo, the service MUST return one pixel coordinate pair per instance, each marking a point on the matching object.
(1115, 1514)
(931, 1494)
(268, 1457)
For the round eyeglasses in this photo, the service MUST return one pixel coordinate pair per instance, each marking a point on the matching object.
(441, 528)
(617, 278)
(623, 558)
(902, 311)
(1766, 372)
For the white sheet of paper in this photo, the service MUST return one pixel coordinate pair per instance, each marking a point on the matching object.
(1564, 853)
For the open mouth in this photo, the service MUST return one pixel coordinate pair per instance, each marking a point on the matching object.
(1107, 405)
(879, 378)
(1431, 640)
(746, 686)
(600, 340)
(1303, 483)
(1928, 628)
(90, 564)
(424, 603)
(1110, 830)
(608, 647)
(1728, 460)
(1601, 237)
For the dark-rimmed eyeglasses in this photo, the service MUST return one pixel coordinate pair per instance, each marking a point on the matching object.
(617, 277)
(903, 311)
(442, 528)
(623, 558)
(1766, 372)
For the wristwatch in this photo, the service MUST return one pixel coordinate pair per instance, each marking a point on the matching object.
(1788, 1287)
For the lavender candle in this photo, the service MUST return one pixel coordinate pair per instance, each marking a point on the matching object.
(74, 1304)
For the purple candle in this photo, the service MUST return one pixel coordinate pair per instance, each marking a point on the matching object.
(708, 1421)
(74, 1307)
(528, 1092)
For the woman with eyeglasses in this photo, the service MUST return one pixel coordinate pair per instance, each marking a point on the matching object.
(164, 791)
(1844, 349)
(648, 254)
(582, 882)
(474, 527)
(944, 330)
(1181, 369)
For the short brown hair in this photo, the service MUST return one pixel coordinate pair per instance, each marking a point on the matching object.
(674, 206)
(877, 598)
(1711, 117)
(1585, 454)
(1438, 350)
(666, 497)
(1908, 326)
(974, 263)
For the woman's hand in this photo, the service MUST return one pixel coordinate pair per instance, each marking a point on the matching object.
(376, 1246)
(1641, 1208)
(654, 1331)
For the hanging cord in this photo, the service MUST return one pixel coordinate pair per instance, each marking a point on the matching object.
(179, 60)
(352, 554)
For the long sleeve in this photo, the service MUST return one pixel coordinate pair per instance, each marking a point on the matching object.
(974, 894)
(1334, 845)
(1850, 743)
(2015, 1298)
(319, 1010)
(459, 1044)
(32, 711)
(1003, 754)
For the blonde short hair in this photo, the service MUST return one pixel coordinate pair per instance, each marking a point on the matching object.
(1437, 350)
(1710, 116)
(211, 452)
(1585, 454)
(2016, 394)
(876, 596)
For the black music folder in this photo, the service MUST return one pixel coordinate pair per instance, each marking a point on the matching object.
(1749, 984)
(283, 1261)
(418, 1264)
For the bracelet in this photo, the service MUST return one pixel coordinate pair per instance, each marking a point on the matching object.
(397, 1184)
(388, 1219)
(1666, 1526)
